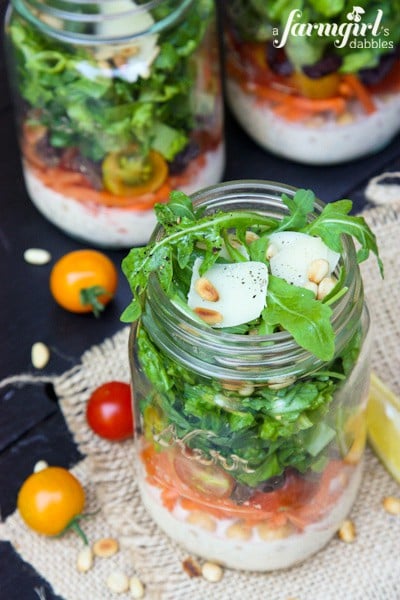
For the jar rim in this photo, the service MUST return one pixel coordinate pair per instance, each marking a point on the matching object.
(51, 20)
(279, 347)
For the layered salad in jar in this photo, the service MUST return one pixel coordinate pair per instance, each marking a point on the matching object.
(313, 81)
(240, 460)
(114, 114)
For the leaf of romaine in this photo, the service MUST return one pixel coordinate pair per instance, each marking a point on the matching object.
(334, 221)
(305, 318)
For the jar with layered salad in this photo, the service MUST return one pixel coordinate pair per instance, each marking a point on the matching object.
(117, 103)
(250, 365)
(314, 82)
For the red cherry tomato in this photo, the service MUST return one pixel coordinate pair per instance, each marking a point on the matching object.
(109, 411)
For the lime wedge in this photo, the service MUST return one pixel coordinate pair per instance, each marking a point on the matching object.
(383, 423)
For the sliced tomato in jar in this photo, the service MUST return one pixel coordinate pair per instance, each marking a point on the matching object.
(295, 493)
(128, 173)
(209, 480)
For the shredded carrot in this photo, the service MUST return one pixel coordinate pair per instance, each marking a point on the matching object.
(75, 185)
(361, 93)
(305, 507)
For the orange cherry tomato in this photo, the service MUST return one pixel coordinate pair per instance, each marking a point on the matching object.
(51, 500)
(326, 86)
(127, 173)
(83, 281)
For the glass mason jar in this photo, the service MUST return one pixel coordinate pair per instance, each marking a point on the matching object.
(249, 448)
(319, 85)
(117, 103)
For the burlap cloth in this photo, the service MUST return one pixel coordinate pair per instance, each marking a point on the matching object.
(367, 569)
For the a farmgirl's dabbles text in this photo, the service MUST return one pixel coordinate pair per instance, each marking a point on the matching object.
(117, 104)
(250, 363)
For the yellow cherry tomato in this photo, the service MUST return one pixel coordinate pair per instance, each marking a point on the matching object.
(50, 500)
(83, 281)
(128, 173)
(326, 86)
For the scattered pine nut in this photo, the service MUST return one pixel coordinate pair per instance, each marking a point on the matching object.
(206, 290)
(118, 582)
(40, 355)
(37, 256)
(347, 532)
(391, 505)
(136, 588)
(191, 567)
(105, 547)
(85, 560)
(212, 572)
(41, 465)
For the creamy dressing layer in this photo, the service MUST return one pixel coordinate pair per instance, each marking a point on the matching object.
(317, 142)
(110, 226)
(254, 554)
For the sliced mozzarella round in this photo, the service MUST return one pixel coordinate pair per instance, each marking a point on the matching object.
(241, 291)
(293, 252)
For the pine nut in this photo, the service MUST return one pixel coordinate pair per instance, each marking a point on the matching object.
(211, 317)
(391, 505)
(238, 531)
(347, 532)
(212, 572)
(267, 533)
(117, 582)
(206, 290)
(325, 287)
(201, 519)
(317, 270)
(136, 588)
(40, 355)
(191, 567)
(85, 560)
(310, 285)
(37, 256)
(105, 547)
(251, 237)
(246, 389)
(281, 383)
(272, 250)
(41, 465)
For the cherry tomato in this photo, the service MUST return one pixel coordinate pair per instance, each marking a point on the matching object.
(83, 281)
(317, 89)
(209, 480)
(51, 500)
(109, 411)
(295, 493)
(129, 173)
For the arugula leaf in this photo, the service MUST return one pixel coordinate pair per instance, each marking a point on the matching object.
(307, 319)
(300, 206)
(334, 221)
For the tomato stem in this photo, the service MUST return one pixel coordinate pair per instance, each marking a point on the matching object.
(90, 296)
(75, 526)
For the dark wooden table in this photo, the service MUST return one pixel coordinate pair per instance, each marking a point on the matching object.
(31, 424)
